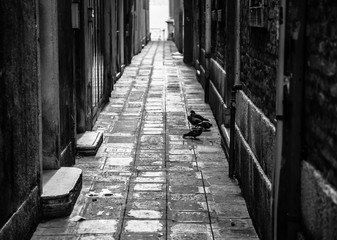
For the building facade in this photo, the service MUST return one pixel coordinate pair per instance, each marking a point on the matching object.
(273, 64)
(59, 61)
(20, 119)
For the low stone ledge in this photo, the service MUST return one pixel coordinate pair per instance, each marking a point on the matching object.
(60, 191)
(89, 142)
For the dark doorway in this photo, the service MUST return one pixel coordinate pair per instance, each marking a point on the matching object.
(96, 33)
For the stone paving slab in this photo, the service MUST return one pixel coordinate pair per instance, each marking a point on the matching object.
(146, 182)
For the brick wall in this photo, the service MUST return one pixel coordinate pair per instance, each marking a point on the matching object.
(321, 88)
(259, 49)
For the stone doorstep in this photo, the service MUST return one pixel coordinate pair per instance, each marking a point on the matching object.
(89, 142)
(60, 191)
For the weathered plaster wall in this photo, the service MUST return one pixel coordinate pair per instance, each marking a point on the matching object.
(254, 147)
(217, 92)
(50, 83)
(319, 171)
(56, 41)
(321, 88)
(319, 205)
(19, 119)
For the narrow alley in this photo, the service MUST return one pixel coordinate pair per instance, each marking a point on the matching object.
(98, 139)
(147, 181)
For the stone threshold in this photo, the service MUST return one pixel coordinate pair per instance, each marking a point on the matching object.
(61, 188)
(89, 142)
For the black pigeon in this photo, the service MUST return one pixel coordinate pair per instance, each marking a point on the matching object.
(196, 132)
(205, 124)
(194, 115)
(194, 121)
(198, 120)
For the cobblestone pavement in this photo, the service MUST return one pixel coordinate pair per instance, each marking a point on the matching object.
(146, 181)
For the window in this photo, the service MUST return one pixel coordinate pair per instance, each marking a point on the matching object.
(256, 13)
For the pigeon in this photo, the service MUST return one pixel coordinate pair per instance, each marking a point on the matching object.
(205, 124)
(194, 121)
(196, 132)
(198, 120)
(193, 114)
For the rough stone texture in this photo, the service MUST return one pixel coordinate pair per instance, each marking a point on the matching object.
(23, 221)
(320, 89)
(255, 185)
(255, 161)
(217, 104)
(319, 205)
(218, 77)
(218, 93)
(257, 131)
(259, 49)
(19, 119)
(98, 226)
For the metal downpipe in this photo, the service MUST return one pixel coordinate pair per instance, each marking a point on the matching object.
(279, 118)
(208, 34)
(236, 87)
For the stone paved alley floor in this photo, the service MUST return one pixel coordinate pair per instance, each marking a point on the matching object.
(147, 182)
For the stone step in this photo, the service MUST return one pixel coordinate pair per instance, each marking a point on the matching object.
(89, 142)
(61, 188)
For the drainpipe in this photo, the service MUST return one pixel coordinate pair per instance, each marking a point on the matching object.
(40, 179)
(120, 23)
(208, 33)
(237, 81)
(236, 87)
(279, 118)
